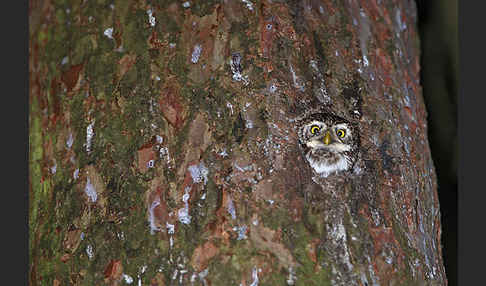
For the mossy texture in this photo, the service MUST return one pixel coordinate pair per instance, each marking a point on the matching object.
(163, 147)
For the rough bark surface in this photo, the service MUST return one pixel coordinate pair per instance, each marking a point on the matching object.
(163, 145)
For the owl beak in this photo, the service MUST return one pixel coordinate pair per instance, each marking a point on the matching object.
(327, 138)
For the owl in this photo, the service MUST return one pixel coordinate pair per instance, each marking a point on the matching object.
(330, 143)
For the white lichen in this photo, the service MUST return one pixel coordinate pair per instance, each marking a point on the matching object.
(292, 278)
(365, 61)
(249, 124)
(150, 164)
(196, 53)
(89, 136)
(398, 18)
(183, 213)
(199, 173)
(230, 106)
(246, 168)
(174, 275)
(128, 279)
(297, 82)
(231, 208)
(241, 230)
(90, 191)
(151, 17)
(120, 235)
(89, 251)
(371, 271)
(272, 88)
(364, 280)
(254, 275)
(321, 90)
(54, 169)
(153, 226)
(202, 275)
(236, 69)
(143, 269)
(109, 33)
(375, 217)
(248, 3)
(70, 141)
(223, 153)
(164, 151)
(338, 235)
(170, 228)
(182, 272)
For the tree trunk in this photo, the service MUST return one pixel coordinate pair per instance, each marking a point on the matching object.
(164, 145)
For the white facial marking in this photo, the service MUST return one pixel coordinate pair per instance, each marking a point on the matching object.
(313, 144)
(333, 147)
(325, 169)
(343, 126)
(339, 147)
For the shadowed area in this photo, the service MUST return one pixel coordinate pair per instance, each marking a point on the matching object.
(439, 78)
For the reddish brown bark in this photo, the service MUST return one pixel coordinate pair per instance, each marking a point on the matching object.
(183, 164)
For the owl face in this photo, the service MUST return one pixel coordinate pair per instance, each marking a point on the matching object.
(329, 142)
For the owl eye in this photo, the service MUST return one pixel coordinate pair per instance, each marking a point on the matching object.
(341, 133)
(314, 129)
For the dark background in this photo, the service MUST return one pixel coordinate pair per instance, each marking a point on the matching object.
(438, 25)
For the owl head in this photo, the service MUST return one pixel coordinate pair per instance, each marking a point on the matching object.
(329, 143)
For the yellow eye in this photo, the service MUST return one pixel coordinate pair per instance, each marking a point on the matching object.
(314, 129)
(341, 133)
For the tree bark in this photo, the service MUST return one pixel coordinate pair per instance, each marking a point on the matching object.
(163, 144)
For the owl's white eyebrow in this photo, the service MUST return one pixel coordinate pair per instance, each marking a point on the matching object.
(318, 123)
(342, 126)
